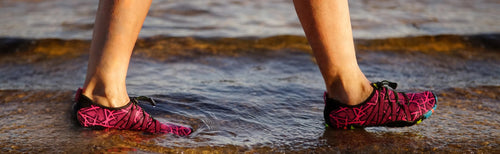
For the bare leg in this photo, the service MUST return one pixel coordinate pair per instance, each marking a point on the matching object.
(328, 29)
(116, 29)
(117, 26)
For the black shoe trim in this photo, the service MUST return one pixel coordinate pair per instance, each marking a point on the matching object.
(84, 101)
(332, 104)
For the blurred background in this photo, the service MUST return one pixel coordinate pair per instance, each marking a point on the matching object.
(256, 18)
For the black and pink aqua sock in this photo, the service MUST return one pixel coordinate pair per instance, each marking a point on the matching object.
(385, 107)
(129, 117)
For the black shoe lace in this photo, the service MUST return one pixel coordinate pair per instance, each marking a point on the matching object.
(144, 98)
(392, 87)
(145, 124)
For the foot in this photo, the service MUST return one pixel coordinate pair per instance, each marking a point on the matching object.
(385, 107)
(130, 117)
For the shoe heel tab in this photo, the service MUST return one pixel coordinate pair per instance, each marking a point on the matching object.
(78, 94)
(325, 95)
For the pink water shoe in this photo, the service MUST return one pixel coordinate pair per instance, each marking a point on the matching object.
(385, 107)
(130, 117)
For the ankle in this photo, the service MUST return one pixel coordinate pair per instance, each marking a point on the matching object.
(350, 93)
(113, 99)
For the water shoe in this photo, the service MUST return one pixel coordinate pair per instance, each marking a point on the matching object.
(384, 107)
(130, 117)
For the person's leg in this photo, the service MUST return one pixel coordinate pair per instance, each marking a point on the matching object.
(103, 102)
(328, 29)
(116, 29)
(351, 100)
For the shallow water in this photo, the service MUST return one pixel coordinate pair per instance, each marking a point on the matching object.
(241, 74)
(251, 95)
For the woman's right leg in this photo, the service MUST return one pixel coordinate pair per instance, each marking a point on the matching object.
(328, 29)
(351, 100)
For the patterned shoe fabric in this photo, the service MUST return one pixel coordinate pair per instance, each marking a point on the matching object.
(130, 117)
(385, 107)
